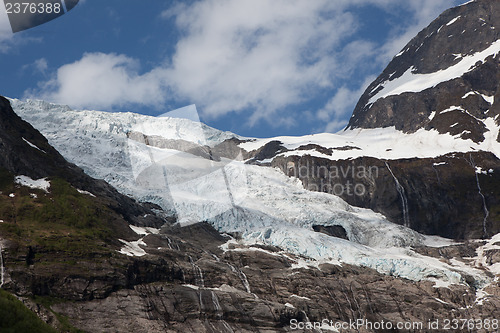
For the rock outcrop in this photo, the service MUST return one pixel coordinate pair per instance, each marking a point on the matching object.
(187, 283)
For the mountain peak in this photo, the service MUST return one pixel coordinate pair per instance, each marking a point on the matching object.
(446, 78)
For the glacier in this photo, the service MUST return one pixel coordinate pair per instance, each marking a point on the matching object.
(261, 203)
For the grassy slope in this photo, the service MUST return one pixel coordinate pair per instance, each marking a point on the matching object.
(62, 220)
(61, 229)
(16, 318)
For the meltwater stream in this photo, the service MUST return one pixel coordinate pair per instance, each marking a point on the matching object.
(402, 194)
(1, 267)
(485, 207)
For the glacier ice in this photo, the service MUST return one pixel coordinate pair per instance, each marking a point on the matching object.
(261, 203)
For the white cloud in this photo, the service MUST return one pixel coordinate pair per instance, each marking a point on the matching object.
(102, 81)
(261, 57)
(40, 66)
(335, 114)
(257, 54)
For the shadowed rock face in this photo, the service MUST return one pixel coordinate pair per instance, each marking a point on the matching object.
(332, 230)
(442, 193)
(459, 32)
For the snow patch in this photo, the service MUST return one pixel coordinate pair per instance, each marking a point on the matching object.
(453, 20)
(85, 192)
(481, 261)
(480, 170)
(33, 146)
(436, 241)
(452, 108)
(489, 99)
(41, 184)
(386, 143)
(400, 53)
(412, 82)
(133, 249)
(300, 297)
(431, 116)
(467, 2)
(144, 230)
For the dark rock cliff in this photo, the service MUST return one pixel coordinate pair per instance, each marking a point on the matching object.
(439, 196)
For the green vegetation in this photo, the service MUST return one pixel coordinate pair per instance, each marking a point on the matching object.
(62, 220)
(16, 318)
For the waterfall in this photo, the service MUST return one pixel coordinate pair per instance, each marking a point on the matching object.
(437, 174)
(227, 327)
(169, 243)
(243, 278)
(217, 307)
(2, 269)
(198, 280)
(212, 255)
(198, 274)
(402, 195)
(219, 313)
(485, 208)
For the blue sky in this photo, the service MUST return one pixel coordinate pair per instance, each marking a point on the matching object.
(258, 68)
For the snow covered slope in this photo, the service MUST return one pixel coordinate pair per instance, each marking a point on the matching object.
(261, 203)
(383, 143)
(97, 141)
(445, 79)
(414, 82)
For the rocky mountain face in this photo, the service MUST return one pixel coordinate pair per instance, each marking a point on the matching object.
(416, 91)
(444, 196)
(446, 78)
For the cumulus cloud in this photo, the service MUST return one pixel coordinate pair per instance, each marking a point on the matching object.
(39, 66)
(257, 54)
(259, 58)
(104, 81)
